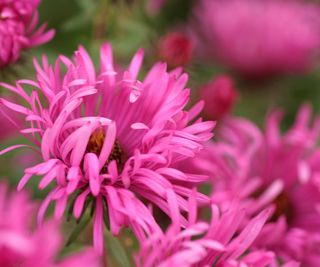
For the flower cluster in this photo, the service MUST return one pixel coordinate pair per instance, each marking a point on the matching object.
(124, 150)
(18, 22)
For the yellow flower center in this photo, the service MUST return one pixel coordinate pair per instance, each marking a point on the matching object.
(95, 145)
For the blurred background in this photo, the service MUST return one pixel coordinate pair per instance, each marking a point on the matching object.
(243, 57)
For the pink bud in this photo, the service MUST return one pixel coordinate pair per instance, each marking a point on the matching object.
(176, 49)
(219, 96)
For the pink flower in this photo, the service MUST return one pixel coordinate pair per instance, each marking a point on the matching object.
(109, 137)
(18, 21)
(259, 38)
(218, 243)
(219, 96)
(271, 170)
(19, 246)
(175, 48)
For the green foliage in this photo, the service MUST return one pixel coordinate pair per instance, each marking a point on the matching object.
(116, 250)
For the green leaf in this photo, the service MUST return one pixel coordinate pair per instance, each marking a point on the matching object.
(78, 229)
(116, 250)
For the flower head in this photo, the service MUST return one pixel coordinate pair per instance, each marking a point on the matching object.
(20, 246)
(259, 38)
(219, 243)
(108, 137)
(219, 96)
(273, 170)
(18, 21)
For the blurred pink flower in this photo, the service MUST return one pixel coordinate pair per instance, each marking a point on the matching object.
(20, 246)
(109, 137)
(218, 243)
(273, 170)
(259, 38)
(219, 96)
(18, 22)
(175, 48)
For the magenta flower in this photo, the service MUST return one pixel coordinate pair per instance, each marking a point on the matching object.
(219, 96)
(218, 243)
(271, 170)
(19, 246)
(259, 38)
(18, 22)
(110, 137)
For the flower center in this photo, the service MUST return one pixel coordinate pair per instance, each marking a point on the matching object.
(283, 207)
(95, 144)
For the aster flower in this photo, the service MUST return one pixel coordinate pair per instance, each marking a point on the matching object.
(176, 49)
(20, 246)
(18, 22)
(112, 140)
(218, 243)
(219, 96)
(271, 170)
(259, 38)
